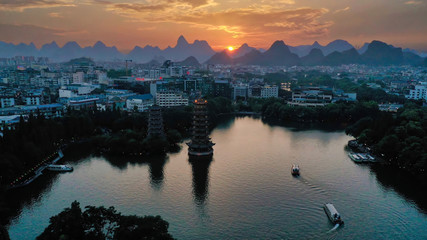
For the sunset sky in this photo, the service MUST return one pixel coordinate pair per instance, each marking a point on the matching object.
(221, 22)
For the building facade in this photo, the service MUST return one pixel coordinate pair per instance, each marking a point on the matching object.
(420, 92)
(140, 103)
(171, 99)
(265, 91)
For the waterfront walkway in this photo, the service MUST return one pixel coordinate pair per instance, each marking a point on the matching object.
(35, 172)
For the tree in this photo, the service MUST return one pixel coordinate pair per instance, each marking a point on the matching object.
(66, 225)
(4, 235)
(389, 146)
(173, 136)
(100, 223)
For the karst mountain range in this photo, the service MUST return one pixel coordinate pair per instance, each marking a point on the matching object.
(278, 54)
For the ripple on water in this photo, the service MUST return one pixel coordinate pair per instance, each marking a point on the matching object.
(246, 192)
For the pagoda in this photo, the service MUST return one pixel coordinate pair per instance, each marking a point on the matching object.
(201, 144)
(155, 122)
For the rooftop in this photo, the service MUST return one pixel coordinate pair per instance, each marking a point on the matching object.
(142, 97)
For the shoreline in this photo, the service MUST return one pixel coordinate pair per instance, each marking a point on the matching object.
(353, 144)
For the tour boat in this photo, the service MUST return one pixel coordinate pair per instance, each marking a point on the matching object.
(59, 168)
(363, 157)
(295, 170)
(355, 158)
(371, 159)
(333, 214)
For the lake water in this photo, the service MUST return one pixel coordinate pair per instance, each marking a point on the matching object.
(245, 192)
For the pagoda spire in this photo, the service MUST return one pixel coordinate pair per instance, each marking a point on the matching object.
(201, 144)
(155, 122)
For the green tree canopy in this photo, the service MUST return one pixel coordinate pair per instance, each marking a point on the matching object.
(100, 223)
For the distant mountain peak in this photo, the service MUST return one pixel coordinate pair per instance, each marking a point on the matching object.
(278, 43)
(380, 53)
(220, 58)
(189, 61)
(278, 47)
(71, 44)
(99, 44)
(316, 44)
(340, 43)
(53, 44)
(181, 41)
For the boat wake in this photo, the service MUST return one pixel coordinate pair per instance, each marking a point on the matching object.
(334, 228)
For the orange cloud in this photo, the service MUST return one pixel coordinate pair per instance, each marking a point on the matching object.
(254, 21)
(21, 5)
(342, 10)
(413, 2)
(20, 33)
(55, 15)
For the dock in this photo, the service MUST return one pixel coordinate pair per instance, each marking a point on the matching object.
(35, 172)
(362, 157)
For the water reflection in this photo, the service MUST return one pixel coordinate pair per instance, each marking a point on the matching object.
(155, 164)
(304, 126)
(403, 183)
(225, 122)
(156, 169)
(200, 169)
(247, 193)
(19, 198)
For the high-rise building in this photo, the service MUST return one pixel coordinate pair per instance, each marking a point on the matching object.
(201, 144)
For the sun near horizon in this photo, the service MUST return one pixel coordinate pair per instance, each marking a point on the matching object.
(230, 48)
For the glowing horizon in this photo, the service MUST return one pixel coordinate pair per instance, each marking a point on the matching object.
(221, 23)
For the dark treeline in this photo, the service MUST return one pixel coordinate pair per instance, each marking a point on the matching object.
(100, 223)
(111, 131)
(332, 113)
(37, 138)
(118, 73)
(116, 131)
(401, 139)
(4, 235)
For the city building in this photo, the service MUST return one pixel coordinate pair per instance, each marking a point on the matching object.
(7, 101)
(47, 110)
(82, 103)
(76, 90)
(33, 97)
(390, 107)
(78, 77)
(8, 122)
(311, 96)
(266, 91)
(140, 103)
(419, 92)
(171, 99)
(240, 91)
(221, 88)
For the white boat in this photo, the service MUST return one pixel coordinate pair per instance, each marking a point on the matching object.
(59, 168)
(295, 170)
(371, 159)
(363, 157)
(333, 214)
(355, 158)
